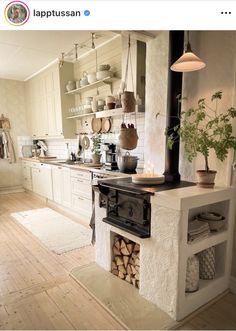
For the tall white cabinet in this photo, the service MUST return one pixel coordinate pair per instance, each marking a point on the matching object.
(47, 104)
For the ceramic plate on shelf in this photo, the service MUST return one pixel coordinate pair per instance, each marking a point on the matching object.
(96, 125)
(106, 125)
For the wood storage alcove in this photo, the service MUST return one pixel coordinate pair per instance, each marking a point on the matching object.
(126, 262)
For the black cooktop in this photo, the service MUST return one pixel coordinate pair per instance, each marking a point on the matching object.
(126, 184)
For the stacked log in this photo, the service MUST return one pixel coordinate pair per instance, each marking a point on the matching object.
(126, 262)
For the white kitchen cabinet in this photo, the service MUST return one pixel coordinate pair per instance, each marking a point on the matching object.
(42, 180)
(57, 184)
(82, 206)
(47, 104)
(66, 184)
(61, 186)
(27, 176)
(81, 189)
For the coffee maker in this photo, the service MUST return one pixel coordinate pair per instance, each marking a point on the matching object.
(111, 163)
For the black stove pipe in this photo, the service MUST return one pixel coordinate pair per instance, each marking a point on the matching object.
(176, 46)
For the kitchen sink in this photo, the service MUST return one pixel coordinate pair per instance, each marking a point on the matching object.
(70, 162)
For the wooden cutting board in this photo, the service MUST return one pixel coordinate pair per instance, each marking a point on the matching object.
(96, 125)
(106, 125)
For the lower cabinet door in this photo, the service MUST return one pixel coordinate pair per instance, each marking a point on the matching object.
(82, 206)
(46, 181)
(27, 183)
(36, 181)
(66, 184)
(57, 184)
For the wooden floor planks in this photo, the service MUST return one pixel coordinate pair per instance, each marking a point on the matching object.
(36, 291)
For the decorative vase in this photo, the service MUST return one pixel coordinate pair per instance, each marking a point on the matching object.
(205, 178)
(94, 105)
(128, 102)
(192, 274)
(70, 86)
(96, 158)
(207, 263)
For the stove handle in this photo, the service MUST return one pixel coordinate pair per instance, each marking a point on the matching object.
(114, 205)
(146, 212)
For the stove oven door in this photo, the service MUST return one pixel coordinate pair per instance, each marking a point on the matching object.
(131, 208)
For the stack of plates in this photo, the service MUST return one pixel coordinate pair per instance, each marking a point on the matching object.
(148, 179)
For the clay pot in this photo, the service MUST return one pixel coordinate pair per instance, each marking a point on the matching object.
(128, 102)
(206, 179)
(96, 158)
(111, 105)
(128, 138)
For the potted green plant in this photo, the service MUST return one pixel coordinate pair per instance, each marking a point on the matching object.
(204, 128)
(96, 148)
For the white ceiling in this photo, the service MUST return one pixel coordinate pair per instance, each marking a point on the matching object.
(24, 53)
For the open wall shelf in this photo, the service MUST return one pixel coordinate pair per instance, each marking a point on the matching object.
(97, 84)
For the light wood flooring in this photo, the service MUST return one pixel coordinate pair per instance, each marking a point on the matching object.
(36, 291)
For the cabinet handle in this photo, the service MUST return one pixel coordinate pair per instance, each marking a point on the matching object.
(46, 134)
(80, 181)
(80, 198)
(58, 167)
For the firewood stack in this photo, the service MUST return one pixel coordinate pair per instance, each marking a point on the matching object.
(126, 263)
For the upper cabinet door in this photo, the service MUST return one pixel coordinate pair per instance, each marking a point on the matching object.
(47, 105)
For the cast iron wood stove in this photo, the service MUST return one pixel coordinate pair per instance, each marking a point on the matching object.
(128, 205)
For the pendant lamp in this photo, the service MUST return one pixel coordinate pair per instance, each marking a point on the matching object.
(188, 61)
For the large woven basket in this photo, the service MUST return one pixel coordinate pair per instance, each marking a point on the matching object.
(128, 102)
(207, 263)
(128, 138)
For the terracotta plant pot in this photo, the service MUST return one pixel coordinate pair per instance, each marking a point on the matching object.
(96, 158)
(206, 179)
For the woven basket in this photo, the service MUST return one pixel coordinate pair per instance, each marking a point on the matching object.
(128, 102)
(128, 138)
(207, 263)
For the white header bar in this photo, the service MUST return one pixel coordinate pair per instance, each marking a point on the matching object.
(124, 15)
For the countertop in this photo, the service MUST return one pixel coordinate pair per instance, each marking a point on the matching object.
(57, 162)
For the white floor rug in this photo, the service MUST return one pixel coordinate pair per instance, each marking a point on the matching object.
(57, 232)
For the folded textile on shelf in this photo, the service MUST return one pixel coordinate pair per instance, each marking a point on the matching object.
(197, 230)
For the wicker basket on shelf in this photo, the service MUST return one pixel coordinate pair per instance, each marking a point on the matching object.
(207, 263)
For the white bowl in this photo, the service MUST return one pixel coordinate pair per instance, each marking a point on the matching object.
(104, 74)
(92, 77)
(104, 67)
(88, 100)
(87, 106)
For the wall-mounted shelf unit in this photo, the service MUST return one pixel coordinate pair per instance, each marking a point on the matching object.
(97, 84)
(80, 116)
(116, 112)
